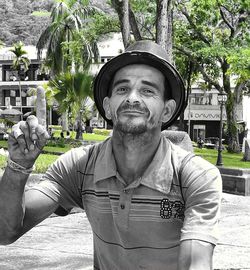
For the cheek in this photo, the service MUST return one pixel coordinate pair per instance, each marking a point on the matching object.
(156, 111)
(114, 105)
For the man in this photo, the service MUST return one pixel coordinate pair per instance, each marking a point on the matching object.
(151, 204)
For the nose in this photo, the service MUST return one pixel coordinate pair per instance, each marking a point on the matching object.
(133, 97)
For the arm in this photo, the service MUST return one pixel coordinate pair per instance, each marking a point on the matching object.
(200, 229)
(20, 212)
(195, 255)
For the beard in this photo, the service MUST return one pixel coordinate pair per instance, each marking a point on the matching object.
(131, 124)
(129, 127)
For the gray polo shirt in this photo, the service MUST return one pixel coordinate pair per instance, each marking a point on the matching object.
(139, 226)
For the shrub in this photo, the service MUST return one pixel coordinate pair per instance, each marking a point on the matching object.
(57, 142)
(55, 127)
(104, 132)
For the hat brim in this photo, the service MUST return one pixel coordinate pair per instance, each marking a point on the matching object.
(107, 72)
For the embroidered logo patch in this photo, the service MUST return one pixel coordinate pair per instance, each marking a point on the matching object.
(172, 209)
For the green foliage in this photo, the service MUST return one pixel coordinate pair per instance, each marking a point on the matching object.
(59, 142)
(20, 57)
(240, 64)
(41, 13)
(55, 127)
(66, 49)
(104, 132)
(71, 91)
(7, 122)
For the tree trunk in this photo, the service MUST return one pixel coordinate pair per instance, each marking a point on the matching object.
(122, 9)
(79, 127)
(231, 110)
(20, 93)
(134, 26)
(164, 26)
(232, 130)
(65, 123)
(189, 71)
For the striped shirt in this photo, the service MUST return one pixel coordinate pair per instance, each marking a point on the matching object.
(140, 225)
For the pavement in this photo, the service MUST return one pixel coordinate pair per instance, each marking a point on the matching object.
(66, 242)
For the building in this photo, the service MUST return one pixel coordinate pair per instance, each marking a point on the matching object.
(202, 115)
(9, 81)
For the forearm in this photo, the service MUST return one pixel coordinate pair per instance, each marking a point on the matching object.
(195, 255)
(12, 208)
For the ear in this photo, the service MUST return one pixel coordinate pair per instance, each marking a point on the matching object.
(169, 109)
(106, 107)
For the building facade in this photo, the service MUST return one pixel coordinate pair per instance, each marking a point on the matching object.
(202, 115)
(10, 96)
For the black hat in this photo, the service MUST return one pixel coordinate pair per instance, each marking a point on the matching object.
(142, 52)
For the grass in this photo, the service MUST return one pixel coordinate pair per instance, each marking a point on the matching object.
(41, 165)
(85, 136)
(229, 160)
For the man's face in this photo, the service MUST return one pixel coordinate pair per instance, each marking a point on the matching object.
(137, 101)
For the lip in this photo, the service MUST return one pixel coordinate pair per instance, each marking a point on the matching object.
(132, 112)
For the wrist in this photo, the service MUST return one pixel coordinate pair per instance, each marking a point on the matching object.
(19, 168)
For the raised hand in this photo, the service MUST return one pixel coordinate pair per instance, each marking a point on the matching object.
(26, 141)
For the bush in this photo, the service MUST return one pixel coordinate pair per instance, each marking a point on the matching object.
(55, 127)
(104, 132)
(57, 142)
(62, 142)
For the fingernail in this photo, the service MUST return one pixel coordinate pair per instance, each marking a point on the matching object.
(34, 137)
(32, 147)
(26, 151)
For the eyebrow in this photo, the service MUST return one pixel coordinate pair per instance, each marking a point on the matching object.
(119, 82)
(154, 85)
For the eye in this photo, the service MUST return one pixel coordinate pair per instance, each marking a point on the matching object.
(148, 91)
(121, 90)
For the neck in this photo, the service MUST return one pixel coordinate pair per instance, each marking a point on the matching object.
(134, 153)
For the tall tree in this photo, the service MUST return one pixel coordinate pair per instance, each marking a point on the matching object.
(122, 9)
(71, 91)
(210, 34)
(21, 64)
(67, 49)
(146, 20)
(67, 18)
(164, 23)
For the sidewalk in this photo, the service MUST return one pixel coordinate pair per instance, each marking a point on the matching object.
(61, 243)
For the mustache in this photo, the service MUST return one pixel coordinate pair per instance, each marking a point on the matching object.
(136, 107)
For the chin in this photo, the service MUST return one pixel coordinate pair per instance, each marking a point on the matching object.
(129, 127)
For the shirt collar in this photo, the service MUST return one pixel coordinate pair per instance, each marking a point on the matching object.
(158, 175)
(105, 166)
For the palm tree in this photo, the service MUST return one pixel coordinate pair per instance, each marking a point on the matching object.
(21, 64)
(72, 92)
(67, 18)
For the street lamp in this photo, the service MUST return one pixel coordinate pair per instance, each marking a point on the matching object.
(222, 98)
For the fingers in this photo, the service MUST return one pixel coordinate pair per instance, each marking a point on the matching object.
(32, 122)
(17, 136)
(29, 135)
(42, 135)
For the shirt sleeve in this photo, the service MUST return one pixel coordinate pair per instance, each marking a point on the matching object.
(202, 186)
(63, 180)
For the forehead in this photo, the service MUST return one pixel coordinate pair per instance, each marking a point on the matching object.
(139, 71)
